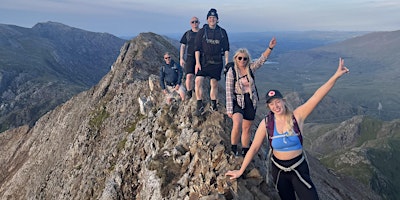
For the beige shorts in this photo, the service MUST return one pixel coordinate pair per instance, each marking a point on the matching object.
(172, 93)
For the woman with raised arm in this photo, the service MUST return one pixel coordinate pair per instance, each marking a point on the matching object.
(242, 95)
(289, 168)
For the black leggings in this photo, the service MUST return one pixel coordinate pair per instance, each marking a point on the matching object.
(289, 184)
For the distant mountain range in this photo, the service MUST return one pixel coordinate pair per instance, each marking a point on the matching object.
(43, 66)
(288, 41)
(371, 87)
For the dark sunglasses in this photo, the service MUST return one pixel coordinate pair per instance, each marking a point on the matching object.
(167, 58)
(244, 58)
(194, 22)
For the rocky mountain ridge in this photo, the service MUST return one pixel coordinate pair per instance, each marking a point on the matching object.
(118, 140)
(43, 66)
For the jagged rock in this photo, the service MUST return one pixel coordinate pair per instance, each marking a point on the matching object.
(153, 82)
(145, 105)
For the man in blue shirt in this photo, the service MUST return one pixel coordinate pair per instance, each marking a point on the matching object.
(171, 79)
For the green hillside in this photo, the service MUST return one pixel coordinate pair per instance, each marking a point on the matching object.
(373, 78)
(362, 147)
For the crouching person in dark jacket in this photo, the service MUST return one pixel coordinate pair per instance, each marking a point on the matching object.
(171, 79)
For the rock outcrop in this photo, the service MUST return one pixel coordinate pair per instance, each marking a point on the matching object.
(119, 140)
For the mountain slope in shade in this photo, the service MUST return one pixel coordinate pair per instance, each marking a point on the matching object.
(43, 66)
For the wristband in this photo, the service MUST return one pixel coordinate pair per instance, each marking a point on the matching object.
(270, 48)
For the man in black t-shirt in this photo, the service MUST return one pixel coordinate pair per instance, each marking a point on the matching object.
(187, 44)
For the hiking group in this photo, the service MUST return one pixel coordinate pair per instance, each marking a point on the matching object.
(203, 53)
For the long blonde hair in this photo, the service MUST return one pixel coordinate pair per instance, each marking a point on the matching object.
(247, 54)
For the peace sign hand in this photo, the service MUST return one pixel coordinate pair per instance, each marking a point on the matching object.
(342, 69)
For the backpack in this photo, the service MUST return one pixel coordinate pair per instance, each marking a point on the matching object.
(271, 124)
(205, 35)
(232, 65)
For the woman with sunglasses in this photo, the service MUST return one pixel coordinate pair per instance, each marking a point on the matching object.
(289, 167)
(241, 95)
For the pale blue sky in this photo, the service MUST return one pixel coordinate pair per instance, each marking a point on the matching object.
(130, 17)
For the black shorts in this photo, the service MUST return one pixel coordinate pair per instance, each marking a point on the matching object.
(190, 64)
(211, 70)
(248, 112)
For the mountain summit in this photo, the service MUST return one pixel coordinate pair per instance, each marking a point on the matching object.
(119, 140)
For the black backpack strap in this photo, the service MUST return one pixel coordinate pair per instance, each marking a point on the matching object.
(205, 32)
(187, 36)
(233, 72)
(296, 129)
(270, 126)
(229, 65)
(253, 77)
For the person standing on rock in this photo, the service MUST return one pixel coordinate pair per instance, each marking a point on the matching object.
(187, 45)
(242, 95)
(211, 45)
(289, 167)
(171, 79)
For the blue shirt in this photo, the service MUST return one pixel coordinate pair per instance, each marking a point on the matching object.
(285, 142)
(170, 75)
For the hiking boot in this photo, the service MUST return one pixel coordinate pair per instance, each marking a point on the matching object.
(199, 108)
(213, 106)
(244, 151)
(234, 150)
(199, 111)
(189, 94)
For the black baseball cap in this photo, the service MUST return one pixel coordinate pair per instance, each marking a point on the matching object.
(273, 94)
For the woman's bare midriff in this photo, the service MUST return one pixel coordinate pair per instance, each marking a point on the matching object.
(287, 155)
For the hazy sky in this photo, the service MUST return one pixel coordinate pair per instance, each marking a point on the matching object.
(130, 17)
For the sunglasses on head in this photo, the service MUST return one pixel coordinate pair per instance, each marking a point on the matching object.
(194, 22)
(244, 58)
(167, 58)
